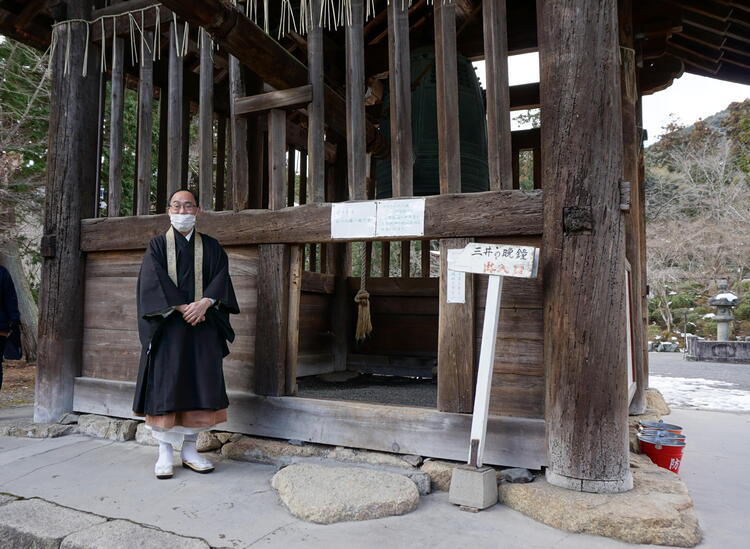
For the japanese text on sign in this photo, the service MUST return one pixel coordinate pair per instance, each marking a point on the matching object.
(496, 259)
(400, 217)
(353, 219)
(377, 218)
(455, 282)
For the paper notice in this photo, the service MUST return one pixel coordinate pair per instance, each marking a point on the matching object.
(400, 217)
(353, 219)
(456, 282)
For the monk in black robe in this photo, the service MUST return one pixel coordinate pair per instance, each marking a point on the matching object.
(183, 323)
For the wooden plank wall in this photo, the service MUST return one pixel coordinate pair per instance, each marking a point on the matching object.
(405, 323)
(404, 314)
(518, 373)
(111, 348)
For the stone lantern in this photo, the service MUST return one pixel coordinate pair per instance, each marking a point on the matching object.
(724, 302)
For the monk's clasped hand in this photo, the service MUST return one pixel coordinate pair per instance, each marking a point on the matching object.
(195, 313)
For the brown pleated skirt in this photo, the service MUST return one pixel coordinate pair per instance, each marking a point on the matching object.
(190, 418)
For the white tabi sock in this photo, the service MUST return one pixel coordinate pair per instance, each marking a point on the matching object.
(190, 452)
(164, 462)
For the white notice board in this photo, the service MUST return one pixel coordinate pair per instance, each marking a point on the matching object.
(378, 218)
(456, 280)
(353, 219)
(400, 217)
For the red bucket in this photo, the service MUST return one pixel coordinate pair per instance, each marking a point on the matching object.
(664, 452)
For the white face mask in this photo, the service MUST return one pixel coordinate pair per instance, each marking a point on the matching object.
(182, 222)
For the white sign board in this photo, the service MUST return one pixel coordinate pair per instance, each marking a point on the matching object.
(353, 219)
(400, 217)
(456, 282)
(496, 259)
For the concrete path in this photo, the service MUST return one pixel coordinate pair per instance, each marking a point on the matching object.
(675, 365)
(236, 507)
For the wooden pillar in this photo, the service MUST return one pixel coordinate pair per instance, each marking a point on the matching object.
(240, 190)
(70, 196)
(271, 331)
(316, 109)
(498, 98)
(277, 190)
(446, 83)
(385, 258)
(455, 340)
(631, 151)
(116, 106)
(161, 173)
(399, 86)
(186, 114)
(291, 178)
(274, 307)
(355, 102)
(336, 259)
(641, 205)
(221, 159)
(583, 246)
(425, 258)
(145, 126)
(206, 124)
(456, 324)
(174, 111)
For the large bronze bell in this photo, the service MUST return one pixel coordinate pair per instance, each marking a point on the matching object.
(472, 126)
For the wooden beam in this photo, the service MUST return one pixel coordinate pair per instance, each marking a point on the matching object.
(491, 213)
(385, 258)
(296, 259)
(221, 158)
(280, 99)
(277, 192)
(511, 441)
(161, 174)
(271, 331)
(206, 124)
(242, 38)
(145, 127)
(355, 102)
(425, 258)
(174, 112)
(631, 152)
(586, 409)
(455, 339)
(399, 85)
(405, 259)
(317, 109)
(117, 104)
(70, 196)
(238, 128)
(30, 10)
(291, 178)
(446, 84)
(498, 94)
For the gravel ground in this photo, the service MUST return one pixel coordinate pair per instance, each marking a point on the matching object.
(373, 388)
(18, 383)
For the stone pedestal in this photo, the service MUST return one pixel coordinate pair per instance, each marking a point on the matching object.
(473, 487)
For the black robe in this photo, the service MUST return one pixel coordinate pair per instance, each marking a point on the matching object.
(180, 368)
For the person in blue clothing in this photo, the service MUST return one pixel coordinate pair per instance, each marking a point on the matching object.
(9, 316)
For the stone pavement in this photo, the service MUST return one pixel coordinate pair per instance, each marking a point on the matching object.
(236, 506)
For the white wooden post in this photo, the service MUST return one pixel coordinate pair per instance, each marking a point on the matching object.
(484, 375)
(497, 261)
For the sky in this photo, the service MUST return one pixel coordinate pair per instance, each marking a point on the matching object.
(689, 99)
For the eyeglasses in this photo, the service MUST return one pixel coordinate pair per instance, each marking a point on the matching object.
(188, 206)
